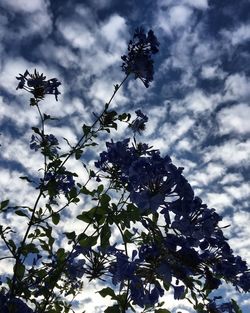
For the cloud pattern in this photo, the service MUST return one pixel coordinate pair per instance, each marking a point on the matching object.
(198, 104)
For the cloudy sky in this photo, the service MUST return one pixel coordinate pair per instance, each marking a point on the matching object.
(198, 104)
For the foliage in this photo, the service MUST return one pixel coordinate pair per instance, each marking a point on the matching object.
(169, 241)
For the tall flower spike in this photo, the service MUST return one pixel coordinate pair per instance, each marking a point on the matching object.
(139, 59)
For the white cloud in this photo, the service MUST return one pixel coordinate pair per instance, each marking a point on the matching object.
(234, 119)
(179, 15)
(199, 4)
(23, 5)
(77, 34)
(231, 153)
(237, 87)
(219, 201)
(198, 102)
(114, 30)
(238, 35)
(239, 192)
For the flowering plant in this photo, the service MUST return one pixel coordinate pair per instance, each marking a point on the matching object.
(168, 239)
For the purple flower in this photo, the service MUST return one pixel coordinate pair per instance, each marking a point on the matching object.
(139, 59)
(138, 125)
(48, 144)
(179, 292)
(56, 183)
(122, 268)
(38, 85)
(17, 305)
(75, 268)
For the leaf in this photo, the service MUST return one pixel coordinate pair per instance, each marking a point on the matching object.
(70, 235)
(113, 309)
(104, 200)
(78, 154)
(86, 129)
(20, 270)
(88, 242)
(127, 236)
(55, 218)
(26, 178)
(105, 236)
(162, 311)
(4, 204)
(236, 306)
(29, 248)
(21, 213)
(36, 130)
(12, 244)
(107, 292)
(85, 217)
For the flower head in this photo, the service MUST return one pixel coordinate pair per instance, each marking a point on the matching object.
(48, 144)
(139, 59)
(38, 85)
(138, 125)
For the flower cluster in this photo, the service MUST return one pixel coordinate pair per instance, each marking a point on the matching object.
(139, 59)
(16, 304)
(58, 182)
(138, 125)
(192, 244)
(37, 84)
(48, 144)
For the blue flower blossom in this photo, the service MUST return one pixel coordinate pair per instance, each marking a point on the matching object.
(139, 59)
(18, 306)
(138, 125)
(61, 182)
(37, 84)
(179, 292)
(48, 144)
(75, 268)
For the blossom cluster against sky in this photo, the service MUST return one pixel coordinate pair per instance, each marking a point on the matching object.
(198, 104)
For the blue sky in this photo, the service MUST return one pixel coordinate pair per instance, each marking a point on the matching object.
(198, 104)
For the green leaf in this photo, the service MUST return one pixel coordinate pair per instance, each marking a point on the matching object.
(55, 218)
(105, 236)
(127, 236)
(78, 154)
(61, 254)
(70, 235)
(29, 248)
(26, 178)
(20, 270)
(86, 129)
(236, 306)
(85, 217)
(104, 200)
(107, 292)
(100, 189)
(4, 204)
(36, 130)
(21, 213)
(113, 309)
(12, 244)
(88, 241)
(162, 311)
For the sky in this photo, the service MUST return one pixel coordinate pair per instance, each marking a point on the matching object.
(198, 104)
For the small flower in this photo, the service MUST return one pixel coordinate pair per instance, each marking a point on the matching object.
(75, 268)
(48, 144)
(58, 182)
(38, 85)
(138, 125)
(16, 304)
(139, 59)
(179, 292)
